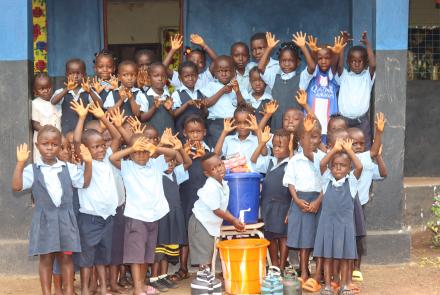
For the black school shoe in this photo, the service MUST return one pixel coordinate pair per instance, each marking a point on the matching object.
(159, 286)
(168, 283)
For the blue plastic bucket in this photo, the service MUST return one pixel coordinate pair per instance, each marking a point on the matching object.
(244, 194)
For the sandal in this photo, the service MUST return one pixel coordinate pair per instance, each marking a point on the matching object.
(335, 286)
(355, 288)
(326, 291)
(345, 291)
(357, 276)
(311, 285)
(179, 275)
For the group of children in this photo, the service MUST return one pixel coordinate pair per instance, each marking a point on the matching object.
(126, 173)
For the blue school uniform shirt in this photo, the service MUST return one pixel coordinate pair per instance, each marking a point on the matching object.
(225, 106)
(322, 91)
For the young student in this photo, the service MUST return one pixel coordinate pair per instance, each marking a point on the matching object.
(336, 223)
(99, 201)
(172, 231)
(257, 97)
(197, 56)
(187, 100)
(143, 59)
(76, 89)
(209, 212)
(243, 141)
(318, 79)
(145, 204)
(196, 148)
(356, 84)
(54, 231)
(104, 81)
(43, 112)
(222, 95)
(240, 57)
(159, 112)
(284, 81)
(304, 184)
(275, 198)
(127, 97)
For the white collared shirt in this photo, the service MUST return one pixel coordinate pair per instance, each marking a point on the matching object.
(245, 147)
(249, 98)
(212, 196)
(51, 179)
(301, 173)
(225, 106)
(272, 68)
(352, 181)
(182, 175)
(270, 77)
(355, 93)
(177, 102)
(370, 172)
(243, 80)
(263, 163)
(75, 96)
(100, 198)
(164, 95)
(203, 79)
(118, 180)
(45, 113)
(145, 195)
(141, 100)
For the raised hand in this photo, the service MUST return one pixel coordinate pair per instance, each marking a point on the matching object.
(86, 85)
(312, 42)
(364, 39)
(142, 79)
(228, 125)
(165, 139)
(79, 108)
(117, 117)
(135, 125)
(96, 84)
(234, 85)
(23, 153)
(200, 150)
(176, 41)
(252, 121)
(270, 108)
(157, 102)
(299, 38)
(70, 85)
(150, 148)
(197, 39)
(301, 97)
(140, 144)
(347, 144)
(338, 46)
(309, 123)
(125, 93)
(265, 135)
(345, 36)
(380, 122)
(177, 144)
(96, 110)
(271, 40)
(114, 82)
(338, 145)
(85, 154)
(168, 103)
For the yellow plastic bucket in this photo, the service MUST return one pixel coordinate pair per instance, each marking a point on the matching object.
(243, 264)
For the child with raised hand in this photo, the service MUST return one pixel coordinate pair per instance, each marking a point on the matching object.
(172, 230)
(304, 184)
(336, 222)
(209, 212)
(127, 97)
(243, 141)
(318, 78)
(259, 45)
(98, 202)
(77, 88)
(356, 84)
(222, 97)
(54, 230)
(43, 112)
(240, 56)
(187, 100)
(104, 81)
(145, 203)
(257, 97)
(160, 104)
(283, 80)
(275, 198)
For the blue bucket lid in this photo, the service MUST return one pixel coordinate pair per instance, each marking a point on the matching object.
(242, 175)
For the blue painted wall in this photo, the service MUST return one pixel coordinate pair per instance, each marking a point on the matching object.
(16, 30)
(74, 30)
(392, 18)
(223, 22)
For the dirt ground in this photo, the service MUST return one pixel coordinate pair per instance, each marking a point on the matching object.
(420, 276)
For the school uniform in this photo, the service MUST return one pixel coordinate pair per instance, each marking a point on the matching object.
(113, 97)
(246, 147)
(53, 227)
(203, 79)
(106, 91)
(258, 104)
(204, 225)
(69, 118)
(272, 67)
(275, 198)
(45, 113)
(182, 96)
(162, 118)
(322, 98)
(145, 205)
(335, 235)
(224, 108)
(301, 173)
(243, 79)
(98, 203)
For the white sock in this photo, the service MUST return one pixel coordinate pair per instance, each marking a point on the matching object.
(152, 280)
(162, 276)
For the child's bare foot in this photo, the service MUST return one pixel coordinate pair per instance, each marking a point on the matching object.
(118, 290)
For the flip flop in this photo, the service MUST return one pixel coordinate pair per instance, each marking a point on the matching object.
(311, 285)
(179, 275)
(345, 291)
(335, 286)
(326, 291)
(357, 276)
(355, 288)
